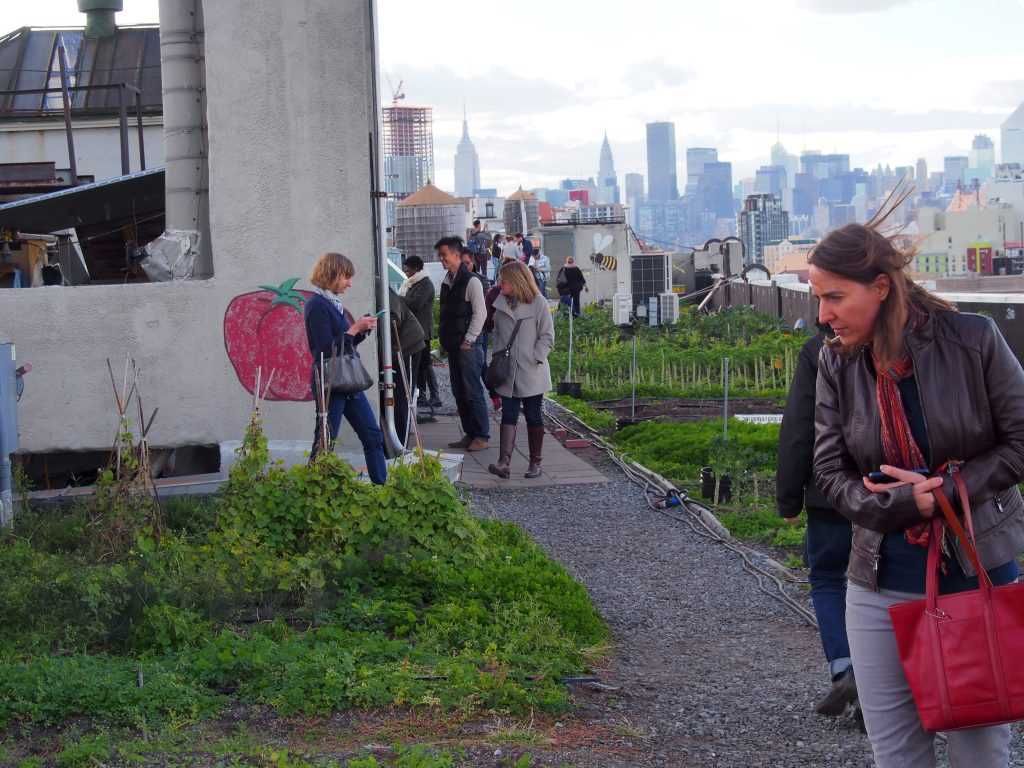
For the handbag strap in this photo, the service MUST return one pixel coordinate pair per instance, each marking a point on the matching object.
(512, 339)
(966, 537)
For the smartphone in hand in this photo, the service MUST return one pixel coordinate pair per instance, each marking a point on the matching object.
(880, 477)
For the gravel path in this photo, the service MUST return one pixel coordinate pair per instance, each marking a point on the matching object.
(712, 671)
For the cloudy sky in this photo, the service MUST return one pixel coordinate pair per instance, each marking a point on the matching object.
(886, 81)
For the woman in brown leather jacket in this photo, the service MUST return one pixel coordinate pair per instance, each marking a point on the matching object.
(909, 383)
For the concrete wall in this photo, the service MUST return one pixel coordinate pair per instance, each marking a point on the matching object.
(577, 241)
(97, 145)
(289, 117)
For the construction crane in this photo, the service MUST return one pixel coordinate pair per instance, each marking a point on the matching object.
(396, 93)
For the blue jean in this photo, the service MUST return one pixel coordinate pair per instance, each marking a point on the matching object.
(465, 367)
(485, 339)
(828, 555)
(357, 411)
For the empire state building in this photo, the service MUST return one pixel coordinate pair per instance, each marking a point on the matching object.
(467, 165)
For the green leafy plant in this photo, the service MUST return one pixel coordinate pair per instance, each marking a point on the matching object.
(593, 418)
(301, 589)
(683, 360)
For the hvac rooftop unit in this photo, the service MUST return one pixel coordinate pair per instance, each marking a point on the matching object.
(668, 308)
(651, 275)
(622, 308)
(652, 312)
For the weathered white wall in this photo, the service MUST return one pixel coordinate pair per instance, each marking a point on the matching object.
(97, 145)
(289, 118)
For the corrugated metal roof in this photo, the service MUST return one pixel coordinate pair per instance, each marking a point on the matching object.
(28, 60)
(87, 203)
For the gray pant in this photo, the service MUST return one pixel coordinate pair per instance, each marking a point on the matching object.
(896, 735)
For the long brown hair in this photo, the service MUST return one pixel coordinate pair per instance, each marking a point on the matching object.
(860, 252)
(524, 287)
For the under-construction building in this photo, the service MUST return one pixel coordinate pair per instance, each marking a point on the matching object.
(408, 152)
(521, 212)
(425, 217)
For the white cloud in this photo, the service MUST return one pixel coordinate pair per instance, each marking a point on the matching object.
(851, 6)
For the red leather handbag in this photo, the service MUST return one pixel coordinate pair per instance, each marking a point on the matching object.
(962, 654)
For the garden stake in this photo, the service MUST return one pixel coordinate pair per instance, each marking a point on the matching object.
(725, 400)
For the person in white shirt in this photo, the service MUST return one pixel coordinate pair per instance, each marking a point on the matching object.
(540, 265)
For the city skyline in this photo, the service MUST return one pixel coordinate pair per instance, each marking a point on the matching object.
(913, 91)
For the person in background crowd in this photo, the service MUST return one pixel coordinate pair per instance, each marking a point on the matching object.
(525, 247)
(510, 249)
(520, 302)
(469, 259)
(463, 313)
(328, 328)
(827, 546)
(479, 243)
(406, 334)
(908, 382)
(540, 265)
(570, 282)
(496, 247)
(418, 292)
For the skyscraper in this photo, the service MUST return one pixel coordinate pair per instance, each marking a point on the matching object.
(607, 181)
(696, 158)
(790, 162)
(716, 189)
(467, 164)
(408, 152)
(954, 167)
(634, 195)
(982, 158)
(1013, 137)
(921, 175)
(762, 221)
(661, 162)
(770, 180)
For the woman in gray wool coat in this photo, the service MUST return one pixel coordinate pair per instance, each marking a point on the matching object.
(521, 300)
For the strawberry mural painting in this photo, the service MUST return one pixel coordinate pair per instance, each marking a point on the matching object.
(266, 329)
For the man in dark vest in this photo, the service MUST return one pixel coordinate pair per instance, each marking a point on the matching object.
(829, 534)
(463, 313)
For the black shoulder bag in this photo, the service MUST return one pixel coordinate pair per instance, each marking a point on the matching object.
(499, 370)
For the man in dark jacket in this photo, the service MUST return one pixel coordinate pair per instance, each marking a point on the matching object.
(570, 282)
(828, 533)
(463, 313)
(406, 335)
(418, 292)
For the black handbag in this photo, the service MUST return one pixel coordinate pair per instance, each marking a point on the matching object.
(344, 372)
(499, 370)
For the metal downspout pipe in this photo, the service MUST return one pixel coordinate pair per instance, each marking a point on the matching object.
(378, 199)
(182, 57)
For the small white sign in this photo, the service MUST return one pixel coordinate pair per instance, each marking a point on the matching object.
(760, 418)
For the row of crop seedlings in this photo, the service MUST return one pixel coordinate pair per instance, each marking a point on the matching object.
(749, 370)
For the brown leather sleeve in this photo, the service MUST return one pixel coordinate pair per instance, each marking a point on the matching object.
(1002, 466)
(837, 474)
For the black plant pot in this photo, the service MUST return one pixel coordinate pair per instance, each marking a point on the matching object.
(571, 388)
